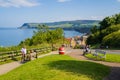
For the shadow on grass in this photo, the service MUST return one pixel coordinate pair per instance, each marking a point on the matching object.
(115, 74)
(93, 70)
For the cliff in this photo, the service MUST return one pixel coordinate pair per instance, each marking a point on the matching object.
(79, 25)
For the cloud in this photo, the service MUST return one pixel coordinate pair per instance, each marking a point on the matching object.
(63, 0)
(18, 3)
(96, 17)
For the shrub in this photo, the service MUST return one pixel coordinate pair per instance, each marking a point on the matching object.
(112, 39)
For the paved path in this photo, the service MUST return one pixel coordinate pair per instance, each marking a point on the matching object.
(10, 66)
(75, 53)
(115, 67)
(109, 51)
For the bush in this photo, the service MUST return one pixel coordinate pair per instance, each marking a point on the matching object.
(112, 39)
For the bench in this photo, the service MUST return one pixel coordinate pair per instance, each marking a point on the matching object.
(86, 52)
(100, 54)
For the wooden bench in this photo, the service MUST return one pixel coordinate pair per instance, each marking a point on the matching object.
(100, 54)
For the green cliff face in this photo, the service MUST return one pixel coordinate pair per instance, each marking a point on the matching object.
(82, 26)
(64, 24)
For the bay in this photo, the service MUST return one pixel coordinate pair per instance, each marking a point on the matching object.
(12, 37)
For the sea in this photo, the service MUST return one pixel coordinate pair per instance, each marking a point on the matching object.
(13, 36)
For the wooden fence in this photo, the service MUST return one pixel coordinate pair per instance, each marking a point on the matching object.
(15, 55)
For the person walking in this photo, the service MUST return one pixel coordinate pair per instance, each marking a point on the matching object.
(23, 51)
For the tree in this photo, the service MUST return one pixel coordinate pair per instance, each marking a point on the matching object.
(44, 35)
(108, 26)
(54, 36)
(94, 29)
(112, 40)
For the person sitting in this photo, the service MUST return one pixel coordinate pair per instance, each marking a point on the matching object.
(32, 54)
(87, 50)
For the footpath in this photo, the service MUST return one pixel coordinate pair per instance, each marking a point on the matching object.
(10, 66)
(115, 67)
(75, 53)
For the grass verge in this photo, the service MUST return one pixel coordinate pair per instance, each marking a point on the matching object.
(109, 57)
(57, 67)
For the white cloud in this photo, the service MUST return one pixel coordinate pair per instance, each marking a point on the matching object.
(63, 0)
(17, 3)
(96, 17)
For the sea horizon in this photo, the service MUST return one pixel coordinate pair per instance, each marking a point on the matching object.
(13, 36)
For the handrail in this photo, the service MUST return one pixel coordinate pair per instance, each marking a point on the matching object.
(15, 54)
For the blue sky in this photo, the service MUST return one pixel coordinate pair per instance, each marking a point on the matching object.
(13, 13)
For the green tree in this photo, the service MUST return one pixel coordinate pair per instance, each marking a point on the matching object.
(44, 35)
(112, 40)
(108, 26)
(94, 29)
(54, 36)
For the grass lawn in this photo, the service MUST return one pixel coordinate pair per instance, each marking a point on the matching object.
(109, 57)
(57, 67)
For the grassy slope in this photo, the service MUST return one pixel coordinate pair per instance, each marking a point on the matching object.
(57, 67)
(109, 57)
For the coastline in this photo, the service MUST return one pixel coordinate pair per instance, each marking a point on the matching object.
(13, 36)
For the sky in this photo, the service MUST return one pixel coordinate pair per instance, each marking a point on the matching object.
(14, 13)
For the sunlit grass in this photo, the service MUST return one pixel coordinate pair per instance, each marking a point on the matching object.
(109, 57)
(57, 67)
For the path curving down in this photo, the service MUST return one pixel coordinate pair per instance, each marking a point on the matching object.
(10, 66)
(75, 53)
(115, 67)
